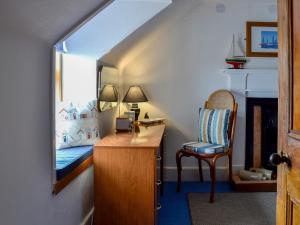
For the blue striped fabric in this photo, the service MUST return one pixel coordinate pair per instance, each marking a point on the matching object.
(204, 148)
(213, 126)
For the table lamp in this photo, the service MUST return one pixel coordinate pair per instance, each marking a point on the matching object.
(135, 95)
(108, 95)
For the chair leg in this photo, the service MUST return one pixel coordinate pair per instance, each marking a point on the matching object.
(230, 168)
(179, 169)
(212, 166)
(200, 170)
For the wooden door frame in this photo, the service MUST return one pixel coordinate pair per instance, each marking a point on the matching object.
(287, 139)
(284, 62)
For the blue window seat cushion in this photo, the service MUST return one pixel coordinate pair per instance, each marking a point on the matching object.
(204, 148)
(68, 159)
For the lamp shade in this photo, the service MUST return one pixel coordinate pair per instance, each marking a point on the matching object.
(135, 94)
(108, 93)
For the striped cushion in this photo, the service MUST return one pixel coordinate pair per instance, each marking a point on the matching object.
(213, 124)
(204, 148)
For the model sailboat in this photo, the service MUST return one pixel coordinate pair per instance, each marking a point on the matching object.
(236, 56)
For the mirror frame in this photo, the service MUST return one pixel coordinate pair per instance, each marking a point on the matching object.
(102, 104)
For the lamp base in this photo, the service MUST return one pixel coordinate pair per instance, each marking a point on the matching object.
(136, 110)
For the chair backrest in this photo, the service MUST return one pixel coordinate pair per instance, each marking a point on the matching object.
(223, 99)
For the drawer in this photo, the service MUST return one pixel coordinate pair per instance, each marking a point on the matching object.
(159, 169)
(158, 187)
(158, 161)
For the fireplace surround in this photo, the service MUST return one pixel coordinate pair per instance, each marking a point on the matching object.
(254, 86)
(246, 84)
(261, 132)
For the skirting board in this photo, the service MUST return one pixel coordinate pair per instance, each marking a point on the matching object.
(88, 218)
(192, 173)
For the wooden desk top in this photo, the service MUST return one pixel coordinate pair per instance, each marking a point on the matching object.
(148, 137)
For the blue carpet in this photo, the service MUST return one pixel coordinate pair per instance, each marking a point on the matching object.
(175, 209)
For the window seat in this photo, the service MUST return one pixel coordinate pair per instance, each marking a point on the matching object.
(69, 158)
(70, 163)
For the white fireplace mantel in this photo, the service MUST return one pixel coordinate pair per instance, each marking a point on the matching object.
(261, 83)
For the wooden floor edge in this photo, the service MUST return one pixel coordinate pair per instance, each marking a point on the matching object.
(61, 184)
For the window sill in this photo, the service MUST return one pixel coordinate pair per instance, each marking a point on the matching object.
(61, 184)
(70, 164)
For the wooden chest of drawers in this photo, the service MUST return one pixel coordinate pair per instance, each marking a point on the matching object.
(126, 180)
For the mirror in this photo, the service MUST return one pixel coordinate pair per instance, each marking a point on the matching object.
(107, 85)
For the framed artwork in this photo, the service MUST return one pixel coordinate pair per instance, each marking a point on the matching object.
(261, 39)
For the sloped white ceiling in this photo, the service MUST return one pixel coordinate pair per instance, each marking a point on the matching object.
(47, 20)
(112, 25)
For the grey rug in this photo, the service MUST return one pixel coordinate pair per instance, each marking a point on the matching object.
(233, 209)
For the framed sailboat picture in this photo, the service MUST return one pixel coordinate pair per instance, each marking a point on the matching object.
(261, 39)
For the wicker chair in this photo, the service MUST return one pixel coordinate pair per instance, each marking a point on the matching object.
(221, 99)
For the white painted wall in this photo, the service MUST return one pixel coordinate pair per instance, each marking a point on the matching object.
(28, 31)
(177, 59)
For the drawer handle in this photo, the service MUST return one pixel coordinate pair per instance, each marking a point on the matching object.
(158, 207)
(158, 182)
(158, 158)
